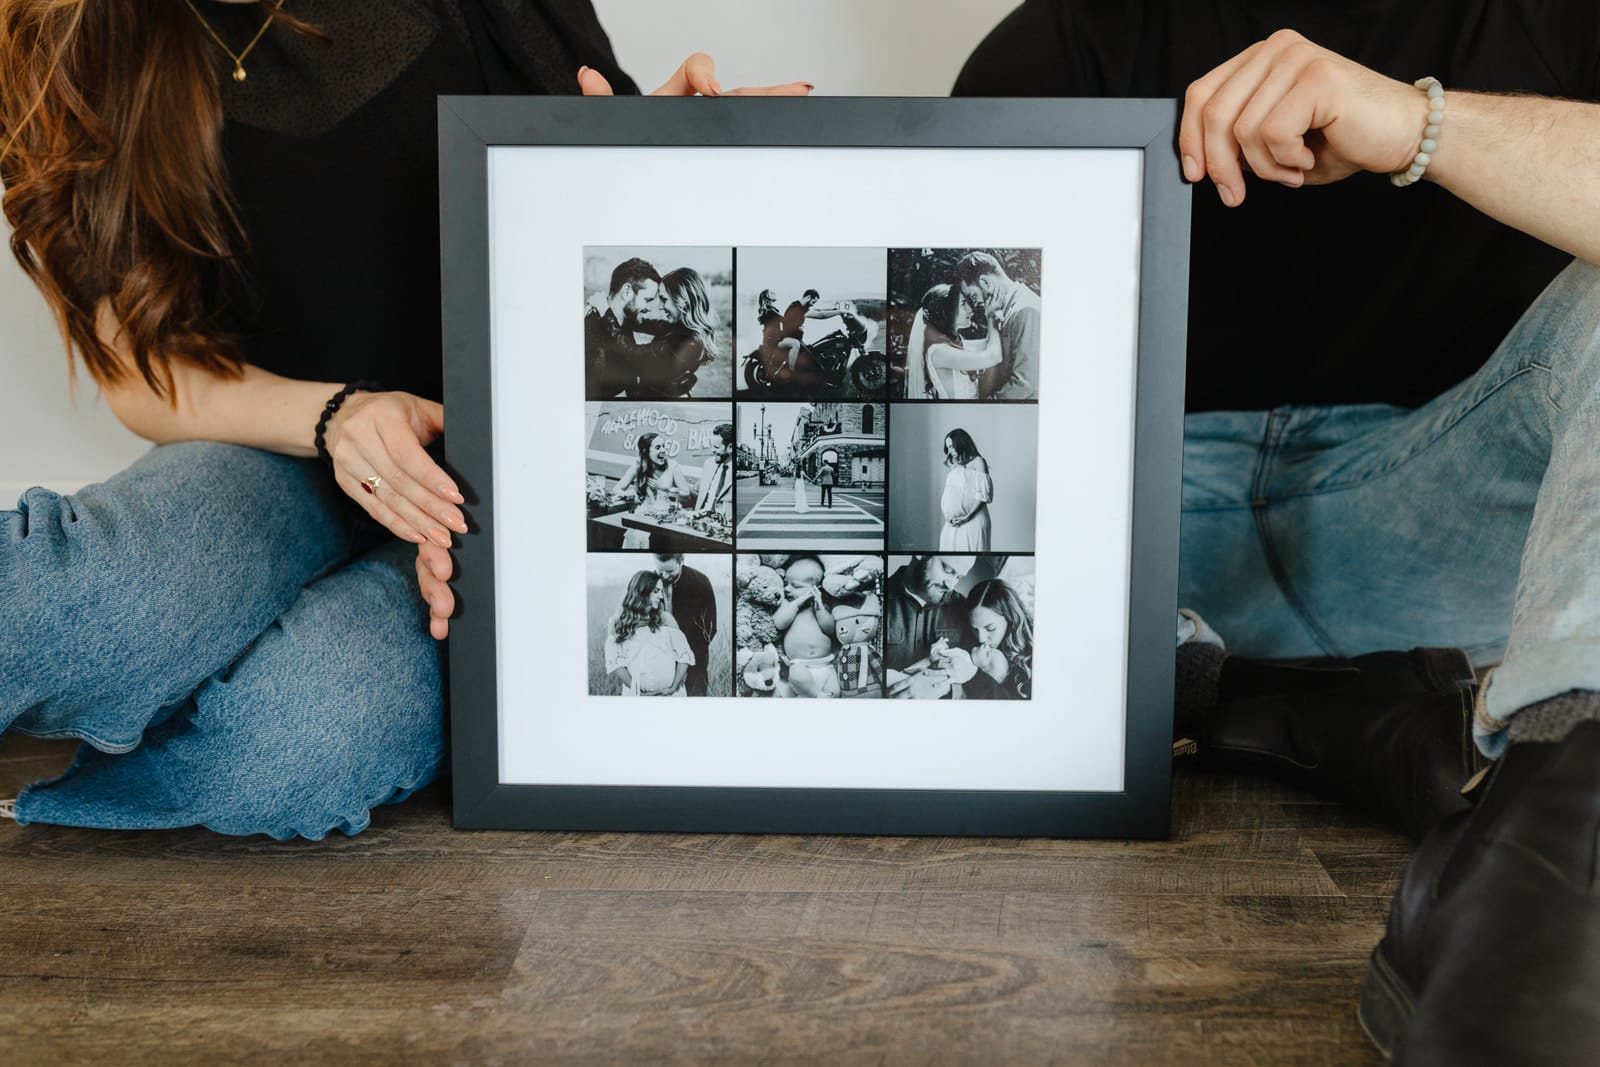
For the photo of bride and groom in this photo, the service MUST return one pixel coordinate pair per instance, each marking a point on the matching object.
(964, 323)
(658, 323)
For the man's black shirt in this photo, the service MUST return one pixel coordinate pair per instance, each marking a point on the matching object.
(611, 356)
(1351, 293)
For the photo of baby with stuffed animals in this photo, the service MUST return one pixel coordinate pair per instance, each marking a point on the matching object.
(809, 626)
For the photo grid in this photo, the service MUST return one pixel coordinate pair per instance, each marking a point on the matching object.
(811, 472)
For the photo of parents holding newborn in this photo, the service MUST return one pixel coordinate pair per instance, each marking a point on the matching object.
(959, 627)
(964, 323)
(659, 625)
(965, 477)
(658, 323)
(809, 626)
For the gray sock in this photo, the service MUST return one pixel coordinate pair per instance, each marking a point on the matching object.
(1553, 719)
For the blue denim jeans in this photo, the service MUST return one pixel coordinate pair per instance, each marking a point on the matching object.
(236, 646)
(1473, 521)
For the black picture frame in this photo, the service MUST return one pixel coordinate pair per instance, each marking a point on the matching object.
(469, 127)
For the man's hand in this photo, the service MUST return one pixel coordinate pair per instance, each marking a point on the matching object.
(434, 571)
(1298, 114)
(697, 76)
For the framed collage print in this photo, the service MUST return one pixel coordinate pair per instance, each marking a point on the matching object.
(876, 406)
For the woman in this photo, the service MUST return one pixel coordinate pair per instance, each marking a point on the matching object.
(646, 654)
(658, 483)
(937, 363)
(1002, 631)
(687, 344)
(967, 492)
(192, 187)
(801, 504)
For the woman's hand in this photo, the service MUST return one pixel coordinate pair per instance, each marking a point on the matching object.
(697, 76)
(435, 568)
(383, 435)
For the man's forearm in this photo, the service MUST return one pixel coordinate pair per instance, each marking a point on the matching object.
(1531, 162)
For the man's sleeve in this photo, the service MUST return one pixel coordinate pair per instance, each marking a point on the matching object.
(1023, 331)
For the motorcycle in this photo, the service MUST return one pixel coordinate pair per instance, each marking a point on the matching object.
(839, 355)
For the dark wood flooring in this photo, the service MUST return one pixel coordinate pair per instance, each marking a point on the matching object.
(1243, 940)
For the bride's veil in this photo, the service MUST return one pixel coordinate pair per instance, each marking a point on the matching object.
(917, 358)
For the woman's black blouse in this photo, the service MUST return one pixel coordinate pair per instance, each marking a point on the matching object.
(332, 155)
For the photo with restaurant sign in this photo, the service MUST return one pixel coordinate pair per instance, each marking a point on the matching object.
(659, 476)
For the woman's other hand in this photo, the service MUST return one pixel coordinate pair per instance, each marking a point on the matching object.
(435, 568)
(697, 76)
(383, 435)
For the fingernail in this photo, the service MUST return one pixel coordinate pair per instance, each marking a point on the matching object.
(451, 491)
(416, 538)
(440, 538)
(716, 88)
(1226, 194)
(809, 87)
(1191, 168)
(581, 70)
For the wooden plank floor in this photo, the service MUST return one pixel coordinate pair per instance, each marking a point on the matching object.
(1241, 941)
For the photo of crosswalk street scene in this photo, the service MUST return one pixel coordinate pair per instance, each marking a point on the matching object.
(810, 476)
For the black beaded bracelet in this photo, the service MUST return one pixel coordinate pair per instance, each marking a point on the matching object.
(335, 402)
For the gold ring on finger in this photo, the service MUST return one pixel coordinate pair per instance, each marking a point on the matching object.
(371, 484)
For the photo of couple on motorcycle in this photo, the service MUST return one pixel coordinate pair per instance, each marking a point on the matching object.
(812, 322)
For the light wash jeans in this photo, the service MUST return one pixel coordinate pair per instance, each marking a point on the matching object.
(1473, 521)
(236, 647)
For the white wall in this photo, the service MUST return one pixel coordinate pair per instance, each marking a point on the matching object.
(844, 47)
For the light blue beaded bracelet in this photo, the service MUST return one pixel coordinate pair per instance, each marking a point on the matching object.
(1430, 134)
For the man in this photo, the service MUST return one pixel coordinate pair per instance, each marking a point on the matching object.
(792, 338)
(1013, 309)
(1394, 398)
(716, 475)
(921, 606)
(693, 605)
(825, 479)
(612, 352)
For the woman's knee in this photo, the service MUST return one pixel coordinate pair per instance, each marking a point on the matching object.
(131, 592)
(336, 711)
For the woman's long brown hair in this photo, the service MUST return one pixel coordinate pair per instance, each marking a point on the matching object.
(116, 189)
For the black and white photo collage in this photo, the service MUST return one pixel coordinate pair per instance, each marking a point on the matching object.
(811, 472)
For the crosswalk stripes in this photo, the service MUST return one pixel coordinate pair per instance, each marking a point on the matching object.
(773, 523)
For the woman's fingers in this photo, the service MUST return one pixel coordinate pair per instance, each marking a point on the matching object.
(695, 76)
(787, 89)
(434, 569)
(593, 83)
(377, 449)
(420, 479)
(380, 512)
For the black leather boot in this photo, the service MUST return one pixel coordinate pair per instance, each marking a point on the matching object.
(1389, 732)
(1492, 954)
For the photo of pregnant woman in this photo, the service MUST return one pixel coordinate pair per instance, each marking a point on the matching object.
(964, 477)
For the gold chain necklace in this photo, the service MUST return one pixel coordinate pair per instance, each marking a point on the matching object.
(237, 57)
